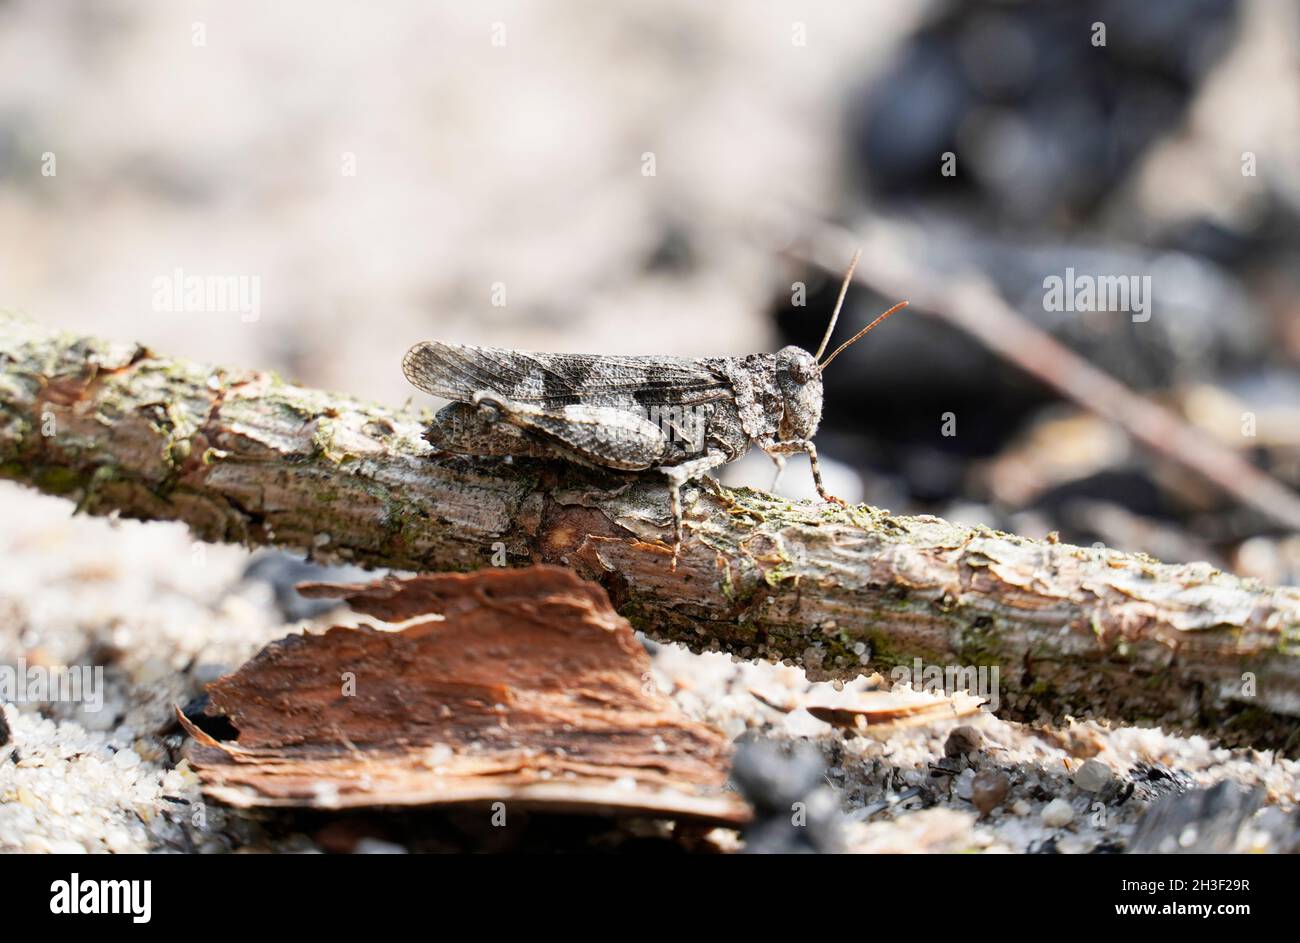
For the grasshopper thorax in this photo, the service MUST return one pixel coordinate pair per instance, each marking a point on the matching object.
(799, 380)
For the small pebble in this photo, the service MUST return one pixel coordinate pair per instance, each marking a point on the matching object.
(1071, 845)
(961, 741)
(150, 671)
(1057, 814)
(126, 759)
(149, 750)
(1093, 776)
(988, 790)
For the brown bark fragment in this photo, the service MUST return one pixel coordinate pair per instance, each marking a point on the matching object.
(514, 685)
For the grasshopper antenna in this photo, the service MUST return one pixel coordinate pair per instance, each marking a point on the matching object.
(858, 336)
(844, 290)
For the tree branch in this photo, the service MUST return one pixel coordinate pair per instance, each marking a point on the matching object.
(244, 457)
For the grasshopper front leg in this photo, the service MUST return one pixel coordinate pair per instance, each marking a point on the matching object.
(817, 476)
(781, 449)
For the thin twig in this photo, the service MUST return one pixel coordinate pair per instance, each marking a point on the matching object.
(971, 304)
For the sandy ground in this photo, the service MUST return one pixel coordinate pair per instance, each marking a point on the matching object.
(166, 614)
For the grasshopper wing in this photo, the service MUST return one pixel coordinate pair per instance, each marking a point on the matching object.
(551, 381)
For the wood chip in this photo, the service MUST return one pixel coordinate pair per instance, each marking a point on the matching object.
(880, 712)
(516, 685)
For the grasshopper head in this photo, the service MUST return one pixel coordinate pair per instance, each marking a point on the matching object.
(800, 381)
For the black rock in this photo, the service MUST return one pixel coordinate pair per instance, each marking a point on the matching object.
(1045, 125)
(1202, 821)
(793, 812)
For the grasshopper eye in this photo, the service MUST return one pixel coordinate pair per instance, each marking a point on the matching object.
(798, 365)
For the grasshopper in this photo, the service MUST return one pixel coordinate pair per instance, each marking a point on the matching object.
(679, 416)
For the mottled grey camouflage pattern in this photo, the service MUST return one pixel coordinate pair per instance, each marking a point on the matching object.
(682, 417)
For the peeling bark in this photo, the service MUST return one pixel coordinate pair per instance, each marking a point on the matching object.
(244, 457)
(511, 685)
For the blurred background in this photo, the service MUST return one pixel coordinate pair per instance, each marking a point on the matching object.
(654, 177)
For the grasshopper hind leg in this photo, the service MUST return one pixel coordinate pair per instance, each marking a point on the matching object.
(464, 429)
